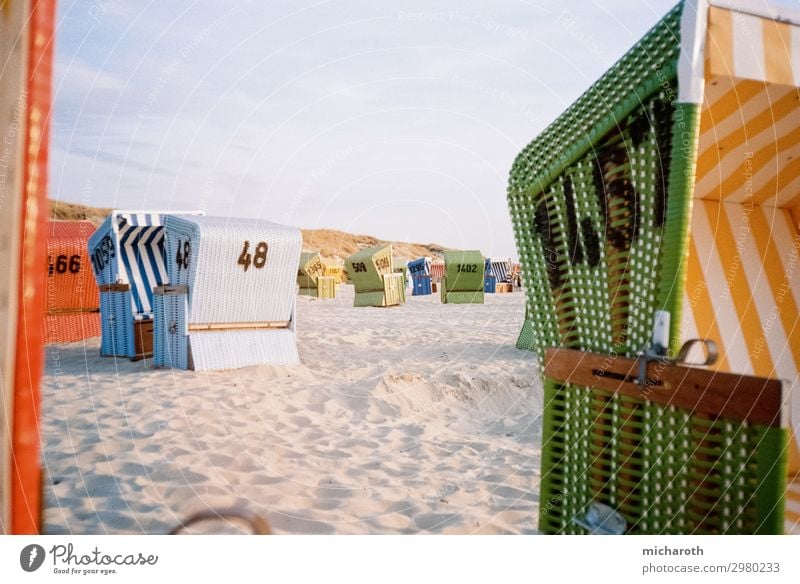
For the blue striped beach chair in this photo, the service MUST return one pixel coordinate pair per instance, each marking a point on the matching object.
(500, 269)
(489, 279)
(231, 298)
(128, 259)
(420, 272)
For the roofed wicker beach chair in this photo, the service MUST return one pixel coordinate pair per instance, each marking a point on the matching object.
(372, 272)
(661, 207)
(231, 298)
(128, 259)
(420, 271)
(312, 279)
(335, 270)
(72, 301)
(463, 281)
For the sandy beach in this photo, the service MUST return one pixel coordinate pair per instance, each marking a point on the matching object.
(422, 418)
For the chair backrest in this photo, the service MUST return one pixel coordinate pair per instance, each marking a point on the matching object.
(419, 267)
(237, 270)
(464, 271)
(128, 248)
(367, 267)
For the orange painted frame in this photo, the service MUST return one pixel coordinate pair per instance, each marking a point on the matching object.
(26, 472)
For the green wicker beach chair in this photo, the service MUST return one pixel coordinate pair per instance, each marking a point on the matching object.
(463, 277)
(658, 208)
(311, 278)
(372, 272)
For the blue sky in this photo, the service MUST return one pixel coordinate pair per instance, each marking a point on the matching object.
(399, 120)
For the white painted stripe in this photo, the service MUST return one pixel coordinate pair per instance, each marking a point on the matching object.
(776, 167)
(776, 337)
(748, 110)
(724, 310)
(788, 245)
(734, 161)
(764, 8)
(788, 194)
(689, 327)
(691, 66)
(748, 47)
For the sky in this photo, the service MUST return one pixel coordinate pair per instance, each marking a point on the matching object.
(394, 119)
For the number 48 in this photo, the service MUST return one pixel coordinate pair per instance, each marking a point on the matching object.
(258, 259)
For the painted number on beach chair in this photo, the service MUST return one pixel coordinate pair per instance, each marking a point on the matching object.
(182, 257)
(467, 268)
(359, 267)
(62, 267)
(382, 263)
(102, 254)
(258, 259)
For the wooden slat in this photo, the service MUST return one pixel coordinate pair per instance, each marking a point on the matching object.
(171, 290)
(723, 395)
(114, 287)
(216, 326)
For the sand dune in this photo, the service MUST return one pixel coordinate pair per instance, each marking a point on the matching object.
(414, 419)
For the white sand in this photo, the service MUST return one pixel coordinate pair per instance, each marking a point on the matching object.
(412, 419)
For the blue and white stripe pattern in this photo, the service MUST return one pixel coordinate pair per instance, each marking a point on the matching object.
(500, 268)
(141, 256)
(420, 267)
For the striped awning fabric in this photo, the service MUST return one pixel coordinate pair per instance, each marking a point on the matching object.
(141, 256)
(500, 268)
(437, 270)
(746, 45)
(743, 286)
(749, 147)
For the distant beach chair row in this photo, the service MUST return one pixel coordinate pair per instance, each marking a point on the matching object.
(199, 292)
(462, 277)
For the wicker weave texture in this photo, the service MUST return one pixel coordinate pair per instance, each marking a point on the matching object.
(591, 209)
(70, 284)
(170, 333)
(593, 246)
(664, 470)
(463, 281)
(71, 326)
(116, 325)
(237, 270)
(212, 350)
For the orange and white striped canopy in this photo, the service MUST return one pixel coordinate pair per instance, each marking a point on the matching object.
(741, 63)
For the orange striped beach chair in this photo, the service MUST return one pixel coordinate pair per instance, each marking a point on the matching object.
(663, 206)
